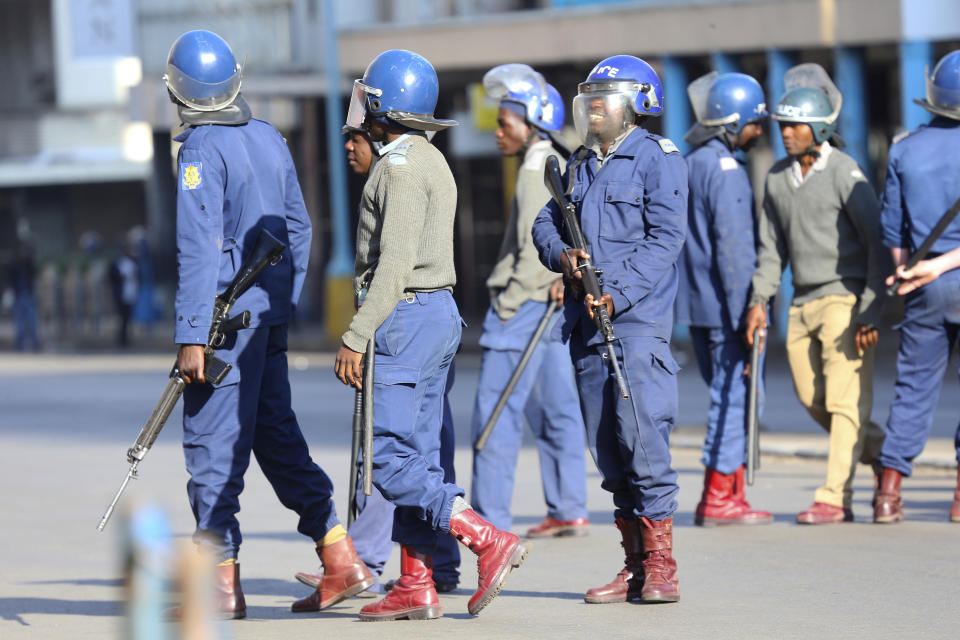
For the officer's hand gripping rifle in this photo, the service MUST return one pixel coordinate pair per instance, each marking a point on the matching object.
(753, 424)
(551, 177)
(267, 251)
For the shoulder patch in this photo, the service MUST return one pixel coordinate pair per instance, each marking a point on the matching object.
(728, 164)
(857, 174)
(667, 145)
(397, 159)
(191, 175)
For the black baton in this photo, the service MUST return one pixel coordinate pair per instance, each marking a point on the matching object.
(524, 359)
(368, 420)
(753, 426)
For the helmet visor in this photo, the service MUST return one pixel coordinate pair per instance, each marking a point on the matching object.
(946, 99)
(601, 116)
(202, 96)
(812, 75)
(357, 111)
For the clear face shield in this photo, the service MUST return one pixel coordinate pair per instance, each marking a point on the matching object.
(945, 102)
(812, 75)
(357, 111)
(604, 110)
(517, 82)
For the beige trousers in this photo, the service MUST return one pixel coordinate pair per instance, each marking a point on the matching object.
(835, 384)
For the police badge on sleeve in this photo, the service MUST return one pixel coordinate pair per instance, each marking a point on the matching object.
(191, 175)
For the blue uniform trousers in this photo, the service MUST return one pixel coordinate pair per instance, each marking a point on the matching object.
(372, 529)
(927, 336)
(630, 439)
(415, 346)
(546, 395)
(721, 358)
(222, 425)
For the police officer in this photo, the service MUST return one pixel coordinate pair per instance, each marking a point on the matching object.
(821, 215)
(530, 110)
(371, 529)
(405, 273)
(630, 190)
(921, 185)
(719, 257)
(218, 221)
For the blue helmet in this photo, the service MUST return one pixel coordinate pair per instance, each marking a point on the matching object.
(615, 92)
(202, 72)
(400, 86)
(943, 88)
(521, 84)
(733, 101)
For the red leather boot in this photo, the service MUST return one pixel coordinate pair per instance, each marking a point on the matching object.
(889, 504)
(955, 508)
(413, 595)
(629, 582)
(498, 552)
(660, 582)
(724, 501)
(344, 575)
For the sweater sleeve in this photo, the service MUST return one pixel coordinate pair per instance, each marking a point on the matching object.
(861, 204)
(771, 253)
(403, 200)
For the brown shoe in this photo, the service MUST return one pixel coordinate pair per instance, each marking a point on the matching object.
(627, 585)
(553, 528)
(889, 505)
(660, 582)
(955, 508)
(823, 513)
(344, 575)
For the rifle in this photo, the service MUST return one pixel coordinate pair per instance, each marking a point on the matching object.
(524, 359)
(551, 177)
(924, 248)
(753, 426)
(265, 252)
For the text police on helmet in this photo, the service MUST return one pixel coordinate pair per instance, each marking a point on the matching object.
(617, 91)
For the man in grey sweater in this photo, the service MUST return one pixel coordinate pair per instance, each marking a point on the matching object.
(821, 215)
(530, 110)
(404, 276)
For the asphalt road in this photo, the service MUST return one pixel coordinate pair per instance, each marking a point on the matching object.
(67, 421)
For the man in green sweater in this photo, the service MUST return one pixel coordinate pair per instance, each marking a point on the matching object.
(404, 276)
(821, 215)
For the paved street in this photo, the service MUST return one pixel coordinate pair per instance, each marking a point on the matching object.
(67, 421)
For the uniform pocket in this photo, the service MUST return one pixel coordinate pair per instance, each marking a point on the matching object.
(664, 359)
(622, 217)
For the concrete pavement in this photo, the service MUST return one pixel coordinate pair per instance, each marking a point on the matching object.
(66, 424)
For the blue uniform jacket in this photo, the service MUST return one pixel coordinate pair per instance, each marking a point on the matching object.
(921, 185)
(233, 181)
(633, 213)
(720, 254)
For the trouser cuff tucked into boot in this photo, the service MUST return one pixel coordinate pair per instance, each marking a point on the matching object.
(344, 575)
(498, 552)
(413, 596)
